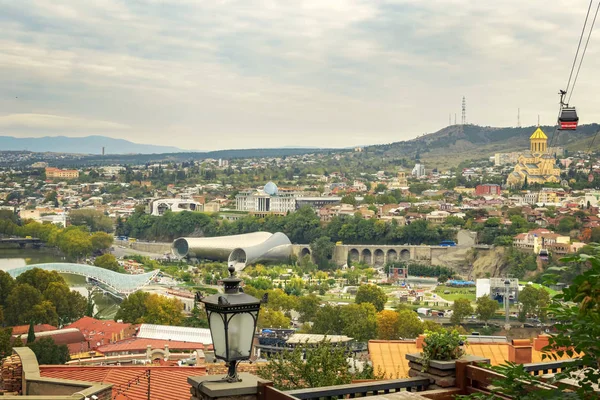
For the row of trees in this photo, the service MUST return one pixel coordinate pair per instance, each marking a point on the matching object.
(40, 297)
(302, 226)
(74, 241)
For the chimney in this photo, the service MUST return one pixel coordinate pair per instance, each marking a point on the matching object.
(520, 351)
(420, 341)
(540, 342)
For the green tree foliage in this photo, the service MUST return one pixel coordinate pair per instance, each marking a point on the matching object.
(69, 304)
(567, 224)
(533, 301)
(388, 323)
(486, 308)
(308, 307)
(133, 308)
(371, 294)
(48, 352)
(328, 320)
(107, 261)
(5, 342)
(40, 279)
(31, 333)
(460, 309)
(142, 307)
(20, 303)
(417, 269)
(348, 199)
(359, 321)
(268, 318)
(519, 262)
(101, 241)
(410, 325)
(94, 220)
(75, 242)
(6, 285)
(322, 250)
(312, 366)
(161, 310)
(197, 319)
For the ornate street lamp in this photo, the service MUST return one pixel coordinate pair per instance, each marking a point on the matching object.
(232, 320)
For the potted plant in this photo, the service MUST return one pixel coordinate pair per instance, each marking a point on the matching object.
(442, 346)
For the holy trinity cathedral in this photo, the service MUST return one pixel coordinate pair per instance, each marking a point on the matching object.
(537, 165)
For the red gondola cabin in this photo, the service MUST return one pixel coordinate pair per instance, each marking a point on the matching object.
(568, 119)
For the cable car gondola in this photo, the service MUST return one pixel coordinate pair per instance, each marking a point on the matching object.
(568, 119)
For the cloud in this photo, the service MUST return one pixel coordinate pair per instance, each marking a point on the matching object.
(246, 73)
(56, 122)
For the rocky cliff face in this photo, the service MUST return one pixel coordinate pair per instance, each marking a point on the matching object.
(488, 263)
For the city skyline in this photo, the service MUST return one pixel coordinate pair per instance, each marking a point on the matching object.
(239, 75)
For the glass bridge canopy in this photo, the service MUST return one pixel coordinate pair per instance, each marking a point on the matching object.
(120, 283)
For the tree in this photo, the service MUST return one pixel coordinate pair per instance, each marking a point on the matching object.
(371, 294)
(101, 241)
(40, 279)
(387, 325)
(268, 318)
(312, 366)
(20, 303)
(48, 353)
(94, 220)
(31, 333)
(486, 308)
(107, 261)
(567, 224)
(321, 250)
(44, 313)
(161, 310)
(5, 342)
(460, 309)
(70, 305)
(410, 325)
(359, 321)
(328, 320)
(533, 301)
(6, 284)
(198, 319)
(348, 199)
(75, 243)
(432, 326)
(133, 308)
(308, 306)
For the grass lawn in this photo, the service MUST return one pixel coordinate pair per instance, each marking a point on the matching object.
(537, 286)
(455, 293)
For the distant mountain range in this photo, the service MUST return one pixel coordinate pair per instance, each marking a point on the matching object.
(82, 145)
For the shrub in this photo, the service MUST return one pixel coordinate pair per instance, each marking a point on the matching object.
(442, 346)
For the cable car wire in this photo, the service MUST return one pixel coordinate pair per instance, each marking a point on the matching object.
(578, 46)
(554, 139)
(583, 54)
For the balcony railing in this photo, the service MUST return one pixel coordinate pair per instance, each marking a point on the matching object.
(363, 389)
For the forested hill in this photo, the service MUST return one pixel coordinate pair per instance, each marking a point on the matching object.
(459, 142)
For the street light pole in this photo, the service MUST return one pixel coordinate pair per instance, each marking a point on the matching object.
(506, 304)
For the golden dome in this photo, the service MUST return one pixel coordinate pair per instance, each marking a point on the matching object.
(538, 134)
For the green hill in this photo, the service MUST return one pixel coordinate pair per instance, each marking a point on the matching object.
(453, 144)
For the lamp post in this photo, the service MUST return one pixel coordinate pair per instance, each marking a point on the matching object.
(232, 318)
(507, 304)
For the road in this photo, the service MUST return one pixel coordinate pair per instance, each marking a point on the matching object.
(123, 252)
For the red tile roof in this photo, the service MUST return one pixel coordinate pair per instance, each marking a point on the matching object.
(134, 345)
(23, 329)
(99, 332)
(166, 383)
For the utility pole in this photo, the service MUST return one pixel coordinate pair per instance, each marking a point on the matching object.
(507, 304)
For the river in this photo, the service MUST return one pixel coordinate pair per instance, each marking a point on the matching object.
(106, 306)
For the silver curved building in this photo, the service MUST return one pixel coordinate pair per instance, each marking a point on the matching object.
(239, 250)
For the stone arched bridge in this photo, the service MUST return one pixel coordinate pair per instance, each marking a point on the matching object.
(379, 255)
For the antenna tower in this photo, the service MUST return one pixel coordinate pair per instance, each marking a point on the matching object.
(518, 117)
(464, 111)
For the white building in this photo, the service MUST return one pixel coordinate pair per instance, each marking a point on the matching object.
(266, 199)
(419, 170)
(158, 207)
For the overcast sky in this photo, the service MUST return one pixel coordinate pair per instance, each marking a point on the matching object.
(235, 74)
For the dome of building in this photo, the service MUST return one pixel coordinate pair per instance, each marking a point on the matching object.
(271, 188)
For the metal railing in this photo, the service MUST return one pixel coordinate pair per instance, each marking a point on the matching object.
(550, 367)
(362, 389)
